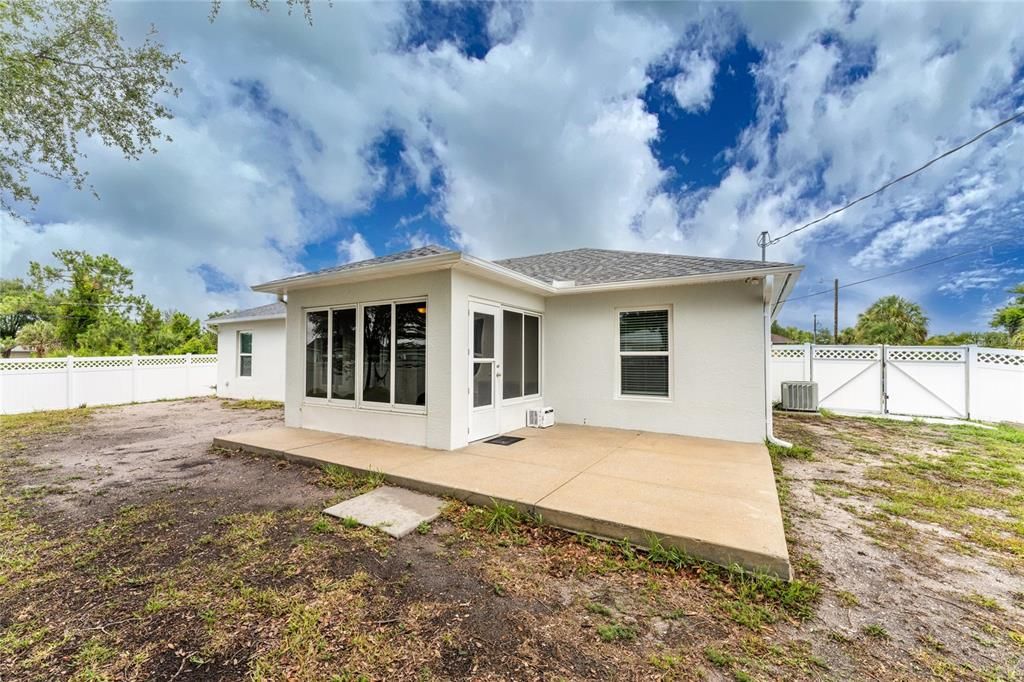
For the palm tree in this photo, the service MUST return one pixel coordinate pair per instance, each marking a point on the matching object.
(892, 319)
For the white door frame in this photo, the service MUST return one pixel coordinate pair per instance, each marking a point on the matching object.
(484, 421)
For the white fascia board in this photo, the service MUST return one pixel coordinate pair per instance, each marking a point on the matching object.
(408, 266)
(709, 278)
(788, 281)
(215, 321)
(491, 270)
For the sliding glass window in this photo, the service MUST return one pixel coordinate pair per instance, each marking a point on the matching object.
(316, 354)
(343, 354)
(374, 354)
(521, 354)
(411, 353)
(377, 336)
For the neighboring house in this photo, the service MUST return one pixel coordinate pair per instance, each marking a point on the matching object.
(438, 348)
(20, 352)
(251, 352)
(779, 338)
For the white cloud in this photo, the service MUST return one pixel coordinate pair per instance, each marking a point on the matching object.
(693, 87)
(354, 249)
(546, 142)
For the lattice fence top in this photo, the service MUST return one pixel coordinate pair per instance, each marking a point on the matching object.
(846, 353)
(794, 352)
(102, 363)
(30, 364)
(158, 360)
(1004, 358)
(898, 354)
(99, 363)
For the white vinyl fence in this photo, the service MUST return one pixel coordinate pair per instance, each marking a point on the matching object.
(29, 384)
(963, 382)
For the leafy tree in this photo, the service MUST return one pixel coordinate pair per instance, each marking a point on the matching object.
(892, 319)
(109, 334)
(1011, 317)
(65, 74)
(41, 336)
(86, 287)
(989, 339)
(20, 304)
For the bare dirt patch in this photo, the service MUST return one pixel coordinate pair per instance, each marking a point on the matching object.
(131, 549)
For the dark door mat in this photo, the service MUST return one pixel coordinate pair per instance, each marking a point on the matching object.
(504, 440)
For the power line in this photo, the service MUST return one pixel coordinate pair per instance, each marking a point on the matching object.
(775, 240)
(897, 272)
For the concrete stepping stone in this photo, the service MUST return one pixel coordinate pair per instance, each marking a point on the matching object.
(396, 511)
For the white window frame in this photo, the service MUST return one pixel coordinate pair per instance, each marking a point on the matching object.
(359, 403)
(522, 355)
(240, 354)
(620, 353)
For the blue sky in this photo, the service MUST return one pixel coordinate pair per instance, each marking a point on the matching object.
(507, 129)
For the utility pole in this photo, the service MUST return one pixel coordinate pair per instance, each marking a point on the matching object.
(762, 241)
(835, 312)
(815, 337)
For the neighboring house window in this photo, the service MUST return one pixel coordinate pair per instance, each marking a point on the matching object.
(245, 354)
(521, 354)
(644, 342)
(386, 342)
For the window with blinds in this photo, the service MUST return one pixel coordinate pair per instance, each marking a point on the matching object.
(644, 353)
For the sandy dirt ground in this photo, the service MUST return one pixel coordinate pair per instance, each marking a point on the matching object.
(132, 549)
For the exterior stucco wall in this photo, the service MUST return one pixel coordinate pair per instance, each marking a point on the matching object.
(466, 287)
(432, 429)
(717, 361)
(268, 367)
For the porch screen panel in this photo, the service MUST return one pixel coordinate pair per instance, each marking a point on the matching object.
(531, 355)
(316, 354)
(377, 353)
(343, 354)
(411, 353)
(512, 352)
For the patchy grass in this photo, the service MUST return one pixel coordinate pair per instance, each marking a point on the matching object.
(18, 428)
(335, 476)
(252, 404)
(615, 632)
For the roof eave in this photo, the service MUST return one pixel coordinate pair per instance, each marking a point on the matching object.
(707, 278)
(215, 321)
(408, 266)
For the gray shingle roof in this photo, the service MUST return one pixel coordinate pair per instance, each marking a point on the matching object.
(271, 310)
(601, 266)
(428, 250)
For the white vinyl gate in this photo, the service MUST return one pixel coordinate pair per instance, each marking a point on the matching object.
(965, 382)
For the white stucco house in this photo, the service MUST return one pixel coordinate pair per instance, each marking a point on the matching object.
(251, 352)
(438, 348)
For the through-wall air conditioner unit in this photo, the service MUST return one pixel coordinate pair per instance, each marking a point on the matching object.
(541, 417)
(800, 396)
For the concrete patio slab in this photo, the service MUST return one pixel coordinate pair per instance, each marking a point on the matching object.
(362, 454)
(723, 529)
(396, 511)
(714, 499)
(479, 480)
(273, 441)
(544, 452)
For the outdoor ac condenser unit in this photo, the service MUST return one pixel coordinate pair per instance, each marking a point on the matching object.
(540, 418)
(801, 396)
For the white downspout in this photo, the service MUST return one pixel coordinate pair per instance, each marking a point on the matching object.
(767, 339)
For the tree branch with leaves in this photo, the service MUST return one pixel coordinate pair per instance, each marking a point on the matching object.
(65, 74)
